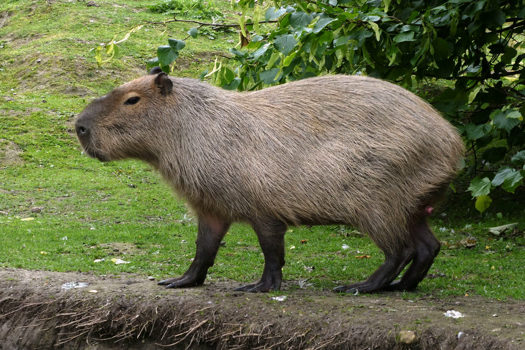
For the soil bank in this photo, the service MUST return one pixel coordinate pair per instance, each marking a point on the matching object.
(44, 310)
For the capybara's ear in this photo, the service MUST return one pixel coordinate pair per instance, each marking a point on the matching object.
(155, 70)
(163, 83)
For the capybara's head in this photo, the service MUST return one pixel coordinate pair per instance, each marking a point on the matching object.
(119, 125)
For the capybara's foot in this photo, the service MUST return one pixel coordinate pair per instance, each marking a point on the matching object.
(357, 288)
(257, 287)
(181, 282)
(270, 281)
(400, 286)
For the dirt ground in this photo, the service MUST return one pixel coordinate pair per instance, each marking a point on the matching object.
(41, 310)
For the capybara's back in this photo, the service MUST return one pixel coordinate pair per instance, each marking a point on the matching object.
(328, 150)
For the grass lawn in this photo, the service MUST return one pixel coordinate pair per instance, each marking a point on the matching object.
(62, 211)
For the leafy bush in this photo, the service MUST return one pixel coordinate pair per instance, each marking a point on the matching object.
(472, 50)
(187, 8)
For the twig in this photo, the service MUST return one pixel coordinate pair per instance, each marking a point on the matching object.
(516, 24)
(207, 24)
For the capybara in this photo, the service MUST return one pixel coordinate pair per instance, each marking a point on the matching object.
(339, 149)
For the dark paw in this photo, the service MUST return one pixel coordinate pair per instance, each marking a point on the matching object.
(181, 282)
(258, 287)
(347, 290)
(399, 286)
(359, 288)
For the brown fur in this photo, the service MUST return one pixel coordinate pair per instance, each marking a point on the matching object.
(334, 149)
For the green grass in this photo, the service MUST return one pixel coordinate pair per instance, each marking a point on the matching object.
(92, 210)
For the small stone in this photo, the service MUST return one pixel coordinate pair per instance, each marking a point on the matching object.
(453, 314)
(73, 285)
(151, 278)
(36, 209)
(119, 261)
(407, 337)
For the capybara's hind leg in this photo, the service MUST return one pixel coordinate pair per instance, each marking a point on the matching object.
(383, 276)
(427, 248)
(211, 231)
(271, 238)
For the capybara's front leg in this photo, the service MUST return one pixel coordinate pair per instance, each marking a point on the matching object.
(211, 232)
(271, 238)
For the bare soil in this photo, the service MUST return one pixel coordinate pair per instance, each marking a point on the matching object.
(9, 153)
(132, 312)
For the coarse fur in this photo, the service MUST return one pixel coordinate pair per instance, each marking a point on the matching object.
(328, 150)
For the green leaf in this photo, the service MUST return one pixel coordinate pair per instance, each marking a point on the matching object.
(509, 54)
(514, 114)
(176, 45)
(519, 157)
(166, 55)
(169, 53)
(442, 49)
(299, 20)
(268, 77)
(376, 30)
(372, 18)
(483, 203)
(475, 132)
(289, 59)
(342, 40)
(509, 179)
(322, 22)
(238, 53)
(227, 75)
(193, 32)
(403, 37)
(480, 187)
(285, 43)
(274, 58)
(261, 51)
(387, 4)
(233, 85)
(498, 18)
(153, 62)
(503, 121)
(272, 14)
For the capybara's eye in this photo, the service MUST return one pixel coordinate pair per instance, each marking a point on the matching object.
(132, 100)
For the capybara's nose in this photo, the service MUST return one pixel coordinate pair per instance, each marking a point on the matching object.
(82, 129)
